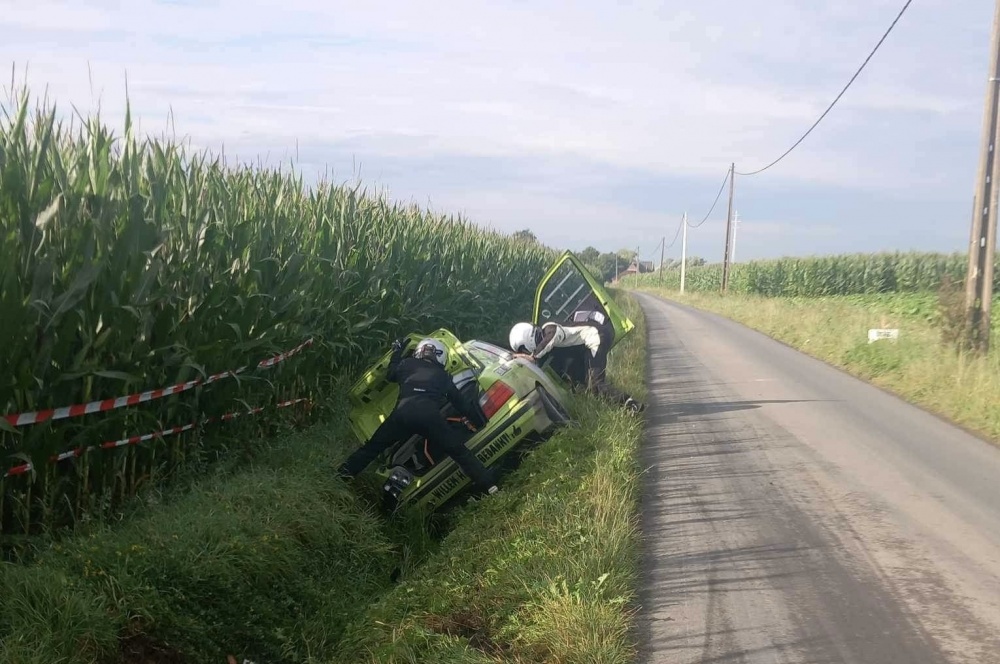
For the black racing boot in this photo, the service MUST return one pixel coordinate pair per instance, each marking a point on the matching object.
(634, 407)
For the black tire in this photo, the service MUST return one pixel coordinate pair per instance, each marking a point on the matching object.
(553, 409)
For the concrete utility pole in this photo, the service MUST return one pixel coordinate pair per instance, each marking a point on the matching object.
(684, 250)
(983, 240)
(729, 228)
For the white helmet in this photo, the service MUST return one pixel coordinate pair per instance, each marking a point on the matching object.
(522, 335)
(431, 349)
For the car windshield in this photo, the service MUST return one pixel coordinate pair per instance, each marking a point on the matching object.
(487, 354)
(566, 297)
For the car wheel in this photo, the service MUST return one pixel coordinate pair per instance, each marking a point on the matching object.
(553, 409)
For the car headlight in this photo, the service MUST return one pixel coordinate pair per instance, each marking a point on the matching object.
(399, 479)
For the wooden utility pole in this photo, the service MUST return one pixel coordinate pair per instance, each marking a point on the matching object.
(983, 240)
(729, 228)
(663, 249)
(736, 231)
(684, 250)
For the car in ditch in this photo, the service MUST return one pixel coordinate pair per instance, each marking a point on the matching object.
(521, 402)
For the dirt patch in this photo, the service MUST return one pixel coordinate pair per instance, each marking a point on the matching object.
(469, 625)
(142, 649)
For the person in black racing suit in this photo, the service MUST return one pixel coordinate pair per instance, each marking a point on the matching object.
(424, 388)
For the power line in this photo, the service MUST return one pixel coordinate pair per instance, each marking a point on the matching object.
(676, 235)
(653, 252)
(638, 255)
(717, 196)
(832, 104)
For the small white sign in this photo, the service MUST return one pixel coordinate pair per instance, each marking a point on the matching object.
(877, 335)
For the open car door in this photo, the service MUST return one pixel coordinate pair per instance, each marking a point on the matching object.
(569, 293)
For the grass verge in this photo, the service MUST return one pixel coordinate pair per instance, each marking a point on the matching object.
(268, 563)
(919, 367)
(545, 571)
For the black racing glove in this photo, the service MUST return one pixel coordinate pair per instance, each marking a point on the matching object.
(398, 345)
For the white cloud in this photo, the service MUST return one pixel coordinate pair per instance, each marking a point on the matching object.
(667, 88)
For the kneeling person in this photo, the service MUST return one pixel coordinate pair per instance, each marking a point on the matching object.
(424, 388)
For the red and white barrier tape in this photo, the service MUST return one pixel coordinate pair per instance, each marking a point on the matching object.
(135, 440)
(23, 419)
(281, 357)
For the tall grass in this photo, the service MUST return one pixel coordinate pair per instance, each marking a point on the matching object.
(848, 274)
(130, 263)
(920, 367)
(268, 563)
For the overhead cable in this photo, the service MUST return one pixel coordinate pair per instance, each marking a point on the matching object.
(834, 102)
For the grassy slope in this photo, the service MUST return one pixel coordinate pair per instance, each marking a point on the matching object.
(543, 572)
(268, 562)
(277, 562)
(920, 368)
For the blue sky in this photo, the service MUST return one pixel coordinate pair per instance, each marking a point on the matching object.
(588, 122)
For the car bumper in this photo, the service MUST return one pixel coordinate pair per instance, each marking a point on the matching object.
(526, 419)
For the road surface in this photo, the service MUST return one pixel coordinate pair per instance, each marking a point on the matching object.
(792, 513)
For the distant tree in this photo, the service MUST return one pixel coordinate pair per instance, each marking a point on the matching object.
(595, 269)
(627, 256)
(608, 262)
(525, 236)
(604, 266)
(589, 256)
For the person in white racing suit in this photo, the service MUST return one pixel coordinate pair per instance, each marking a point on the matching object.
(578, 352)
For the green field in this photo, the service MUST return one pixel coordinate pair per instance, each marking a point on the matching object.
(131, 264)
(848, 274)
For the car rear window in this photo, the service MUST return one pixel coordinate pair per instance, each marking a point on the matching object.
(487, 353)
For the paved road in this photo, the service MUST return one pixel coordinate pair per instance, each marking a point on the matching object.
(795, 514)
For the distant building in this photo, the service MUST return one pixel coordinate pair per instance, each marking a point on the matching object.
(640, 267)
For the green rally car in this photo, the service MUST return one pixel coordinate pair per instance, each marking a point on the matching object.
(522, 402)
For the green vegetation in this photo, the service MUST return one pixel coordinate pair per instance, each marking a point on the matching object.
(545, 571)
(852, 274)
(131, 264)
(608, 265)
(268, 562)
(826, 305)
(922, 366)
(279, 561)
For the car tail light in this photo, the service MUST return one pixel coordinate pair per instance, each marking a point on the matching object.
(495, 397)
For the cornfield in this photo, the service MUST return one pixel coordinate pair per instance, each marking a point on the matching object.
(131, 263)
(850, 274)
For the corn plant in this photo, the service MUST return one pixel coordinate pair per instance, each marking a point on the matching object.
(850, 274)
(131, 263)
